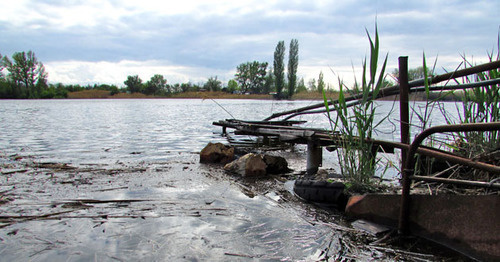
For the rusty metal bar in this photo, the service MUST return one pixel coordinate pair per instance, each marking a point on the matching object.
(404, 110)
(412, 90)
(393, 89)
(458, 73)
(459, 87)
(404, 115)
(459, 160)
(410, 161)
(456, 181)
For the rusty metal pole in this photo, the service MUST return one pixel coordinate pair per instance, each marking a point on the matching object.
(404, 90)
(404, 111)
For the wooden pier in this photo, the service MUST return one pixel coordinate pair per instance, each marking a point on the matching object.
(288, 132)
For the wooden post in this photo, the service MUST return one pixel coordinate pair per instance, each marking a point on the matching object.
(314, 157)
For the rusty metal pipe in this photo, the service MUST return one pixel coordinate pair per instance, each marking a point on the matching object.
(456, 181)
(410, 161)
(393, 89)
(492, 126)
(412, 90)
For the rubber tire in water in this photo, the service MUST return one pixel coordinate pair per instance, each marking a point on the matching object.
(319, 191)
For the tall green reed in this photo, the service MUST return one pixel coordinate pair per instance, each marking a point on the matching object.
(356, 124)
(480, 105)
(423, 112)
(477, 105)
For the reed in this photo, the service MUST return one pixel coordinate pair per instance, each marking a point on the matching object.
(423, 113)
(480, 105)
(356, 124)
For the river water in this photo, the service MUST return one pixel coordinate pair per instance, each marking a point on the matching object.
(139, 159)
(103, 131)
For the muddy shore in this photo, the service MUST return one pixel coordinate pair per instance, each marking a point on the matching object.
(175, 210)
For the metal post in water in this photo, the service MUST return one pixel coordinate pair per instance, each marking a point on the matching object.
(404, 89)
(314, 157)
(404, 111)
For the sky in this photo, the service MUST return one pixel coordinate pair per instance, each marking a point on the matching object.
(104, 41)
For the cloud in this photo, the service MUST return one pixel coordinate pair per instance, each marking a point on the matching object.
(198, 39)
(78, 72)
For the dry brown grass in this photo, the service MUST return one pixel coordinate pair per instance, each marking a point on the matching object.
(101, 94)
(129, 96)
(87, 94)
(219, 95)
(315, 96)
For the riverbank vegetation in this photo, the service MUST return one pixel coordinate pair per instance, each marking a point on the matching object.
(24, 77)
(354, 121)
(356, 124)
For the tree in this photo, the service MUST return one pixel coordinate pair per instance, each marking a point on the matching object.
(27, 73)
(413, 73)
(133, 84)
(1, 68)
(213, 84)
(251, 76)
(157, 84)
(232, 86)
(293, 63)
(301, 86)
(269, 82)
(279, 68)
(321, 82)
(113, 89)
(312, 85)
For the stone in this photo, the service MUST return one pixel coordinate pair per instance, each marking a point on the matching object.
(276, 164)
(248, 165)
(217, 153)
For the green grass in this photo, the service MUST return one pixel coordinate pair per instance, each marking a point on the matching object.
(356, 124)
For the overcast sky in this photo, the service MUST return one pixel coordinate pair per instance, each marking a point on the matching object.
(91, 41)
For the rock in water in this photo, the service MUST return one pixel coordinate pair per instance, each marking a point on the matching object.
(217, 153)
(248, 165)
(276, 164)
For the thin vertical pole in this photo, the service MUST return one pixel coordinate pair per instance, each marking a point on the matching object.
(404, 110)
(405, 139)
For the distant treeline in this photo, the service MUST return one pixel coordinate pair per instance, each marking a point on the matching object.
(24, 77)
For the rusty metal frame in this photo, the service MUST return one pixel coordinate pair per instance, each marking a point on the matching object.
(410, 161)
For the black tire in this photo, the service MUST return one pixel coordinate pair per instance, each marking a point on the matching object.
(319, 191)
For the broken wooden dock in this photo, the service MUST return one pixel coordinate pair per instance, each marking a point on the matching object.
(288, 132)
(479, 242)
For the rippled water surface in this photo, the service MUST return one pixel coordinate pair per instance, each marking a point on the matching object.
(111, 180)
(96, 130)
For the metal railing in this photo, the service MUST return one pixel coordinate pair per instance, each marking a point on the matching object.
(408, 156)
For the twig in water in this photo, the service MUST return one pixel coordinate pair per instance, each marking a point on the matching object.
(237, 255)
(222, 108)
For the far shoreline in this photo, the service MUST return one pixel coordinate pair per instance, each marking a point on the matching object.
(302, 96)
(101, 94)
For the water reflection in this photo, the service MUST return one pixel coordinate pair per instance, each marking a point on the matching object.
(146, 150)
(178, 214)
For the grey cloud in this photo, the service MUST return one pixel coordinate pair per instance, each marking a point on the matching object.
(331, 32)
